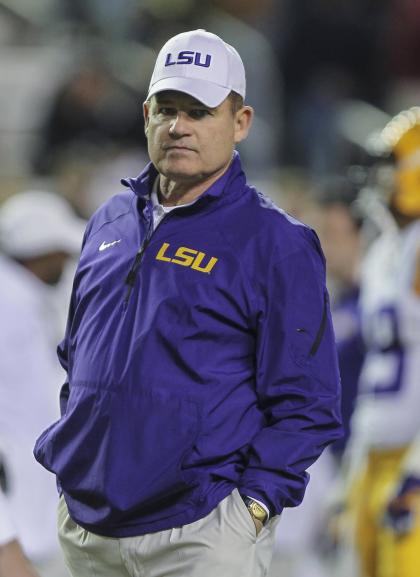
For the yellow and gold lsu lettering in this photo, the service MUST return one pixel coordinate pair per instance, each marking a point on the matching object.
(188, 257)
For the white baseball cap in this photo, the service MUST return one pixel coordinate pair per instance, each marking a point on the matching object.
(34, 223)
(200, 64)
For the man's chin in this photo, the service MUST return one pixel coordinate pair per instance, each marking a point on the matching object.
(181, 172)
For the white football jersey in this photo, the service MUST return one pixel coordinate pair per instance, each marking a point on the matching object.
(387, 410)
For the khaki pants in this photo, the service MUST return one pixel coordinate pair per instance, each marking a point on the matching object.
(54, 566)
(222, 544)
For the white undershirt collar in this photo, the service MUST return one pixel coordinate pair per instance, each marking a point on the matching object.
(159, 210)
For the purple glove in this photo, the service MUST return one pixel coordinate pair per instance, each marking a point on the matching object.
(401, 511)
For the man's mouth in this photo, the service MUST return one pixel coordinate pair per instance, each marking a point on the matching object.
(179, 147)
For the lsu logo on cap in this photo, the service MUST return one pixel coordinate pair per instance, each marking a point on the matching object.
(188, 57)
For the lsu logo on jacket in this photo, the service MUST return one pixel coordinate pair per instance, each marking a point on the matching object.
(188, 257)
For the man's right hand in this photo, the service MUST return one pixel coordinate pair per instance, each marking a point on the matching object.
(258, 524)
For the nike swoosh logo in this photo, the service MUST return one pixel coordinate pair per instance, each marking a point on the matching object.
(106, 245)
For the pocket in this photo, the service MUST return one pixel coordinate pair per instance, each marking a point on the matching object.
(149, 453)
(121, 451)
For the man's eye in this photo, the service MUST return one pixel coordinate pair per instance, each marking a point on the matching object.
(198, 113)
(166, 110)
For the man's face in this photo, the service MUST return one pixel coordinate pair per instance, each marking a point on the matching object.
(187, 141)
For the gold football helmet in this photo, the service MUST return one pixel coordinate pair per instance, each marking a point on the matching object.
(401, 138)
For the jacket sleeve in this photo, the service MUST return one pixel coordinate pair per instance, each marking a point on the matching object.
(297, 378)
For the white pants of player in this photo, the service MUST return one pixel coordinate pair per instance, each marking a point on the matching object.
(222, 544)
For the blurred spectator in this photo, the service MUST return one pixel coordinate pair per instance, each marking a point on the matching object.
(339, 226)
(38, 234)
(91, 110)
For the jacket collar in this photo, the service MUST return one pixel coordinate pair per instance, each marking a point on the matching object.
(142, 184)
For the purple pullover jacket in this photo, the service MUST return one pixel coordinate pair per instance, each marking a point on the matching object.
(200, 358)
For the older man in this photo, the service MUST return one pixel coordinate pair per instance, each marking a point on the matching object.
(202, 373)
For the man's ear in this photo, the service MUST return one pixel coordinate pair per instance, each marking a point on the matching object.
(146, 115)
(243, 121)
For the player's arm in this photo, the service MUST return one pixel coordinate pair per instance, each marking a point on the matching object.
(404, 503)
(13, 562)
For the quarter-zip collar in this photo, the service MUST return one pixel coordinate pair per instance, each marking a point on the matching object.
(142, 185)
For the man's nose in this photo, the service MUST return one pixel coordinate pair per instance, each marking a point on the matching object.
(179, 125)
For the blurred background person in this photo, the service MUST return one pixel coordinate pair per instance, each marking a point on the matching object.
(386, 418)
(38, 236)
(339, 224)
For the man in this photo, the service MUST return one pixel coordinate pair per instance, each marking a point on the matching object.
(202, 373)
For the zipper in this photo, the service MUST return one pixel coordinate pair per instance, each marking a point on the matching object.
(321, 330)
(130, 279)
